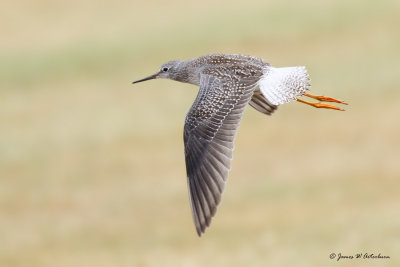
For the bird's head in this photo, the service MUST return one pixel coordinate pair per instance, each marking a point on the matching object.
(169, 70)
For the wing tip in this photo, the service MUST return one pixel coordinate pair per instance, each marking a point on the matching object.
(199, 231)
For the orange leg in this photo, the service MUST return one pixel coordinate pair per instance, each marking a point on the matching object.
(325, 98)
(320, 105)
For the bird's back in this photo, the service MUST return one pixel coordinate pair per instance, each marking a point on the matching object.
(235, 68)
(228, 76)
(221, 65)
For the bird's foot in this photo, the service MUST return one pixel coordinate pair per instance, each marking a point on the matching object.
(323, 99)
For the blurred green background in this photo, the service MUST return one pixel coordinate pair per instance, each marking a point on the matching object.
(92, 168)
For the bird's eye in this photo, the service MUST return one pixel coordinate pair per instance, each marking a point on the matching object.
(165, 69)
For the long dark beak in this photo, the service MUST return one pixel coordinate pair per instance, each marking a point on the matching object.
(147, 78)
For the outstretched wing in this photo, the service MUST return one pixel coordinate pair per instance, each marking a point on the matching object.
(210, 128)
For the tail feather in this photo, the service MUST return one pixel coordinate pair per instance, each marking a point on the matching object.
(280, 85)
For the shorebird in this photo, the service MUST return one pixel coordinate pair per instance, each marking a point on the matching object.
(227, 84)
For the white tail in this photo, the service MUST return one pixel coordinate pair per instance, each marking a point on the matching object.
(280, 85)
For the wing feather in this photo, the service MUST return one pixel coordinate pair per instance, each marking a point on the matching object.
(260, 103)
(210, 128)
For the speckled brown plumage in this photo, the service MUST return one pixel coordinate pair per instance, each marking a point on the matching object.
(227, 84)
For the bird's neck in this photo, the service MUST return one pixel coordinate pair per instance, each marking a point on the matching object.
(187, 73)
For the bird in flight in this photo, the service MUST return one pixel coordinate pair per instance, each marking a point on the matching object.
(227, 84)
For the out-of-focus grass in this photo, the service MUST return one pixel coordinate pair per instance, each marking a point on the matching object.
(92, 170)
